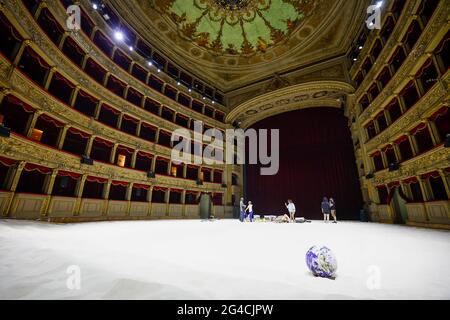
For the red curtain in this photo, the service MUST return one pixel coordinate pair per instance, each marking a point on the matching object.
(316, 160)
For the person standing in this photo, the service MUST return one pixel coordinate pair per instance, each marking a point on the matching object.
(325, 205)
(250, 210)
(242, 207)
(333, 209)
(291, 208)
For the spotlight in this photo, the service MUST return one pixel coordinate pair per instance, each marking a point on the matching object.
(213, 102)
(95, 6)
(354, 59)
(150, 63)
(130, 48)
(178, 83)
(360, 47)
(119, 35)
(159, 70)
(203, 98)
(379, 4)
(190, 90)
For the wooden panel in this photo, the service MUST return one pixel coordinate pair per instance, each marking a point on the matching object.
(175, 210)
(219, 212)
(192, 211)
(5, 197)
(159, 209)
(62, 207)
(416, 212)
(229, 211)
(385, 213)
(27, 206)
(117, 208)
(139, 209)
(91, 207)
(438, 211)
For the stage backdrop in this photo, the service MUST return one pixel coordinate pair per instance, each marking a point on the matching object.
(316, 159)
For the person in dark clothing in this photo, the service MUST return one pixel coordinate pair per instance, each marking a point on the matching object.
(325, 206)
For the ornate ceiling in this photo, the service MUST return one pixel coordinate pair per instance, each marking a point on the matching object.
(235, 27)
(241, 46)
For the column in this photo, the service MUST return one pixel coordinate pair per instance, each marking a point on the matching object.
(98, 108)
(73, 98)
(88, 150)
(32, 122)
(413, 143)
(14, 182)
(48, 77)
(128, 193)
(184, 170)
(113, 153)
(62, 137)
(22, 47)
(119, 121)
(138, 129)
(435, 136)
(445, 181)
(80, 186)
(183, 197)
(133, 158)
(106, 189)
(62, 40)
(153, 165)
(16, 176)
(85, 59)
(105, 81)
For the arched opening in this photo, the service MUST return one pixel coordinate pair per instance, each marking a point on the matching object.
(316, 160)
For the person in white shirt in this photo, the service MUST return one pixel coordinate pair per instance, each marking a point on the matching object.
(250, 210)
(291, 208)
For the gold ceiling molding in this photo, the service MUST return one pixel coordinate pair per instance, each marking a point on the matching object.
(300, 96)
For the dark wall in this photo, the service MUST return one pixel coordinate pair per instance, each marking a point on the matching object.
(316, 159)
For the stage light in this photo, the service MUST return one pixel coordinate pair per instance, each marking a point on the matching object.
(159, 70)
(150, 63)
(354, 59)
(213, 102)
(360, 47)
(94, 5)
(379, 4)
(130, 48)
(190, 90)
(178, 83)
(119, 35)
(203, 98)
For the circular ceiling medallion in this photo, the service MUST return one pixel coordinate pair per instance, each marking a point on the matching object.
(236, 27)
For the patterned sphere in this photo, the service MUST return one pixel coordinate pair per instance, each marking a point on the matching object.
(321, 261)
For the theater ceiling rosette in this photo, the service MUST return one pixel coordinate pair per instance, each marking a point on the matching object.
(233, 44)
(236, 27)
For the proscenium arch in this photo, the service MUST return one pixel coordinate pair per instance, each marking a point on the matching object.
(306, 95)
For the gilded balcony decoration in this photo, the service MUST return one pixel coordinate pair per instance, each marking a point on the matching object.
(236, 27)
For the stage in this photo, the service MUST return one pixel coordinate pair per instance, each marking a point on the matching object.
(224, 259)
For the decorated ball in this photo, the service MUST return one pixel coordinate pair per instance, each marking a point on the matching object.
(321, 261)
